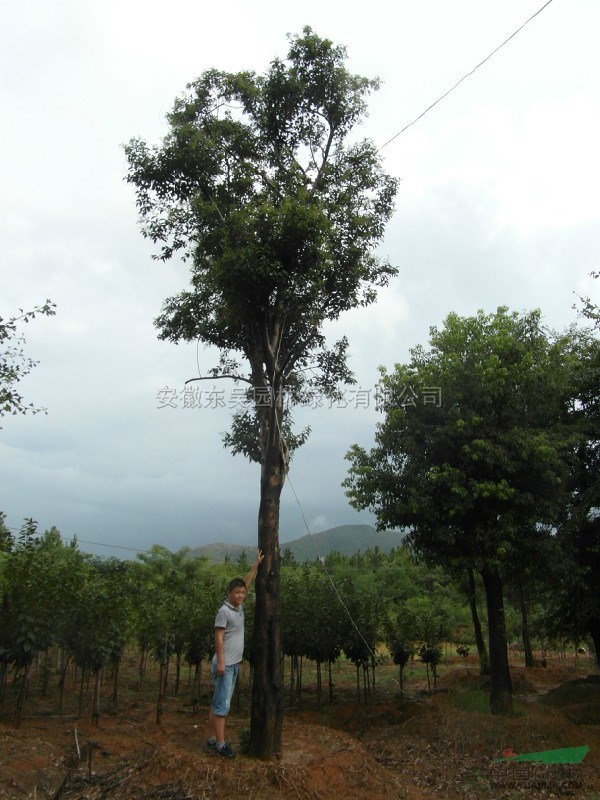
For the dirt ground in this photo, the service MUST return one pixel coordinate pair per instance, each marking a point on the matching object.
(440, 747)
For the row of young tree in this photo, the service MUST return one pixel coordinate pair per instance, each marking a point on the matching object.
(54, 597)
(64, 609)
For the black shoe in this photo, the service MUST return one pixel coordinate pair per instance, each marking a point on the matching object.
(226, 752)
(211, 745)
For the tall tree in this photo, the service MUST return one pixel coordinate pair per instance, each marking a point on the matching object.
(575, 606)
(472, 454)
(471, 592)
(258, 188)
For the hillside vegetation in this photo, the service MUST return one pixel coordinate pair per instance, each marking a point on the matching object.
(344, 539)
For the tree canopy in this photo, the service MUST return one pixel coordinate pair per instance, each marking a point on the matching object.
(576, 574)
(256, 185)
(475, 451)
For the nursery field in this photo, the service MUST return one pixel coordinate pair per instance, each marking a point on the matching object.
(358, 746)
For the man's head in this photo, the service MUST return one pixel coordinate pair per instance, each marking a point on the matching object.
(236, 591)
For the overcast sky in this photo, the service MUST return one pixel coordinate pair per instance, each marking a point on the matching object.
(498, 205)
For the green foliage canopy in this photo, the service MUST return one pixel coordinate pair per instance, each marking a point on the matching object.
(575, 592)
(257, 187)
(470, 473)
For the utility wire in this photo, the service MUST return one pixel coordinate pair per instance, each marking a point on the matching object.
(385, 144)
(468, 75)
(104, 544)
(69, 539)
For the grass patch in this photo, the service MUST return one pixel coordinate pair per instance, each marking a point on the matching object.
(477, 701)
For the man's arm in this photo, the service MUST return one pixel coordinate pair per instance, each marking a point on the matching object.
(254, 569)
(219, 638)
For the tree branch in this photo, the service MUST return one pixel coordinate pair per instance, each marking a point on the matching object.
(324, 160)
(218, 377)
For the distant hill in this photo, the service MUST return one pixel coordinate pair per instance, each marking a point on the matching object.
(345, 539)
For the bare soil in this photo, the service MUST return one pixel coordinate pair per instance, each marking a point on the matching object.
(438, 747)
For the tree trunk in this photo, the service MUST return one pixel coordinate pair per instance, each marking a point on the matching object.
(83, 674)
(177, 674)
(267, 685)
(45, 674)
(528, 650)
(161, 692)
(594, 630)
(484, 661)
(319, 685)
(96, 703)
(61, 682)
(3, 678)
(167, 665)
(115, 692)
(142, 667)
(500, 682)
(22, 693)
(293, 662)
(196, 687)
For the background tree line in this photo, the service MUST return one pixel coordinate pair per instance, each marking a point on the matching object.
(73, 614)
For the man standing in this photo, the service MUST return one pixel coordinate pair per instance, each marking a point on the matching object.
(229, 651)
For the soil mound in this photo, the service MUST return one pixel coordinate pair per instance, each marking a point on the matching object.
(170, 763)
(578, 699)
(448, 752)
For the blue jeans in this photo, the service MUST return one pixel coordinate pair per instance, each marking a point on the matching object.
(224, 686)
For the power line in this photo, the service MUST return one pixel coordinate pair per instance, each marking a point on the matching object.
(464, 77)
(104, 544)
(86, 541)
(389, 141)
